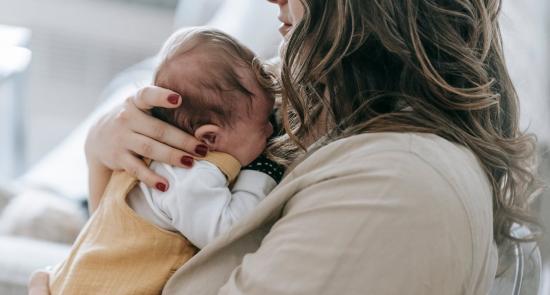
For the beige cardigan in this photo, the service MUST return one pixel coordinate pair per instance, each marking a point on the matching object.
(385, 213)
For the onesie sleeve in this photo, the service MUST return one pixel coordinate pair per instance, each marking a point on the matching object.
(201, 206)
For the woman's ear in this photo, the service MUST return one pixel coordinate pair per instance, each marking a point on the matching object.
(211, 135)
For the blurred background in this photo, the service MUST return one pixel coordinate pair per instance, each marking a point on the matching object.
(64, 62)
(77, 47)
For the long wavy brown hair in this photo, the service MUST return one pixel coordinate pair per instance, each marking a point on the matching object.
(431, 66)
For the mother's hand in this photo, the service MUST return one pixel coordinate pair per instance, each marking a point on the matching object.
(39, 283)
(120, 137)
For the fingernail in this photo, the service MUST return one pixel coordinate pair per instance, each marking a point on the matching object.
(173, 98)
(187, 161)
(161, 186)
(201, 150)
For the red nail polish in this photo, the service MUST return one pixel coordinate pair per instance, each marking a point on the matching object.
(173, 98)
(201, 150)
(161, 186)
(187, 161)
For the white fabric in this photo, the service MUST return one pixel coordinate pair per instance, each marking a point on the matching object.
(199, 203)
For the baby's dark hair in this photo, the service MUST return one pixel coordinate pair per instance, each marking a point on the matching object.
(211, 86)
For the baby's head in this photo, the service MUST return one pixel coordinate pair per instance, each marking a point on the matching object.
(227, 96)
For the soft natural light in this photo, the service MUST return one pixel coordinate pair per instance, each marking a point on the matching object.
(71, 66)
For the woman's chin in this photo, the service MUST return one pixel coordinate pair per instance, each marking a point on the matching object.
(284, 29)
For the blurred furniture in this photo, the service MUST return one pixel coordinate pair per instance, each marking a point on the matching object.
(63, 171)
(21, 256)
(14, 61)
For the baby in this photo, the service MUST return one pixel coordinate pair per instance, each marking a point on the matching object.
(138, 237)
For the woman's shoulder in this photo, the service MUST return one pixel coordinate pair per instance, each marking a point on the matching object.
(424, 171)
(413, 200)
(369, 151)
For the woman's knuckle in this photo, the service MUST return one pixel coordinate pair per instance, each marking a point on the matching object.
(175, 158)
(139, 93)
(122, 116)
(159, 132)
(133, 170)
(150, 179)
(189, 144)
(143, 92)
(146, 149)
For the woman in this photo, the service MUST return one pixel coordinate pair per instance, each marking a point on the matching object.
(407, 168)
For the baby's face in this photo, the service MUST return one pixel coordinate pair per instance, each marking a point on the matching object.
(247, 138)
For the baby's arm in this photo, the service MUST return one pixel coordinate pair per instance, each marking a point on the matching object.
(201, 206)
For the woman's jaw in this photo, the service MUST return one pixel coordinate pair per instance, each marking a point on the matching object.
(285, 28)
(286, 20)
(290, 13)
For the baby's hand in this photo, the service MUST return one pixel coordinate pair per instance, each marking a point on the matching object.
(39, 283)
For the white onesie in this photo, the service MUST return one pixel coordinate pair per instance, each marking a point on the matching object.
(198, 203)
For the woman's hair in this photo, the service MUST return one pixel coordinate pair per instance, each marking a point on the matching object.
(211, 67)
(431, 66)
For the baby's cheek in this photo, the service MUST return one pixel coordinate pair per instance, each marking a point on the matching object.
(260, 144)
(269, 131)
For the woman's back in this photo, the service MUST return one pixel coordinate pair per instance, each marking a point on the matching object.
(375, 213)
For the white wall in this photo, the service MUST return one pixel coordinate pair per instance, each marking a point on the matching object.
(78, 46)
(525, 27)
(526, 31)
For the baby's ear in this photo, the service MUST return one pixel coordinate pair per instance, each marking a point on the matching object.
(211, 135)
